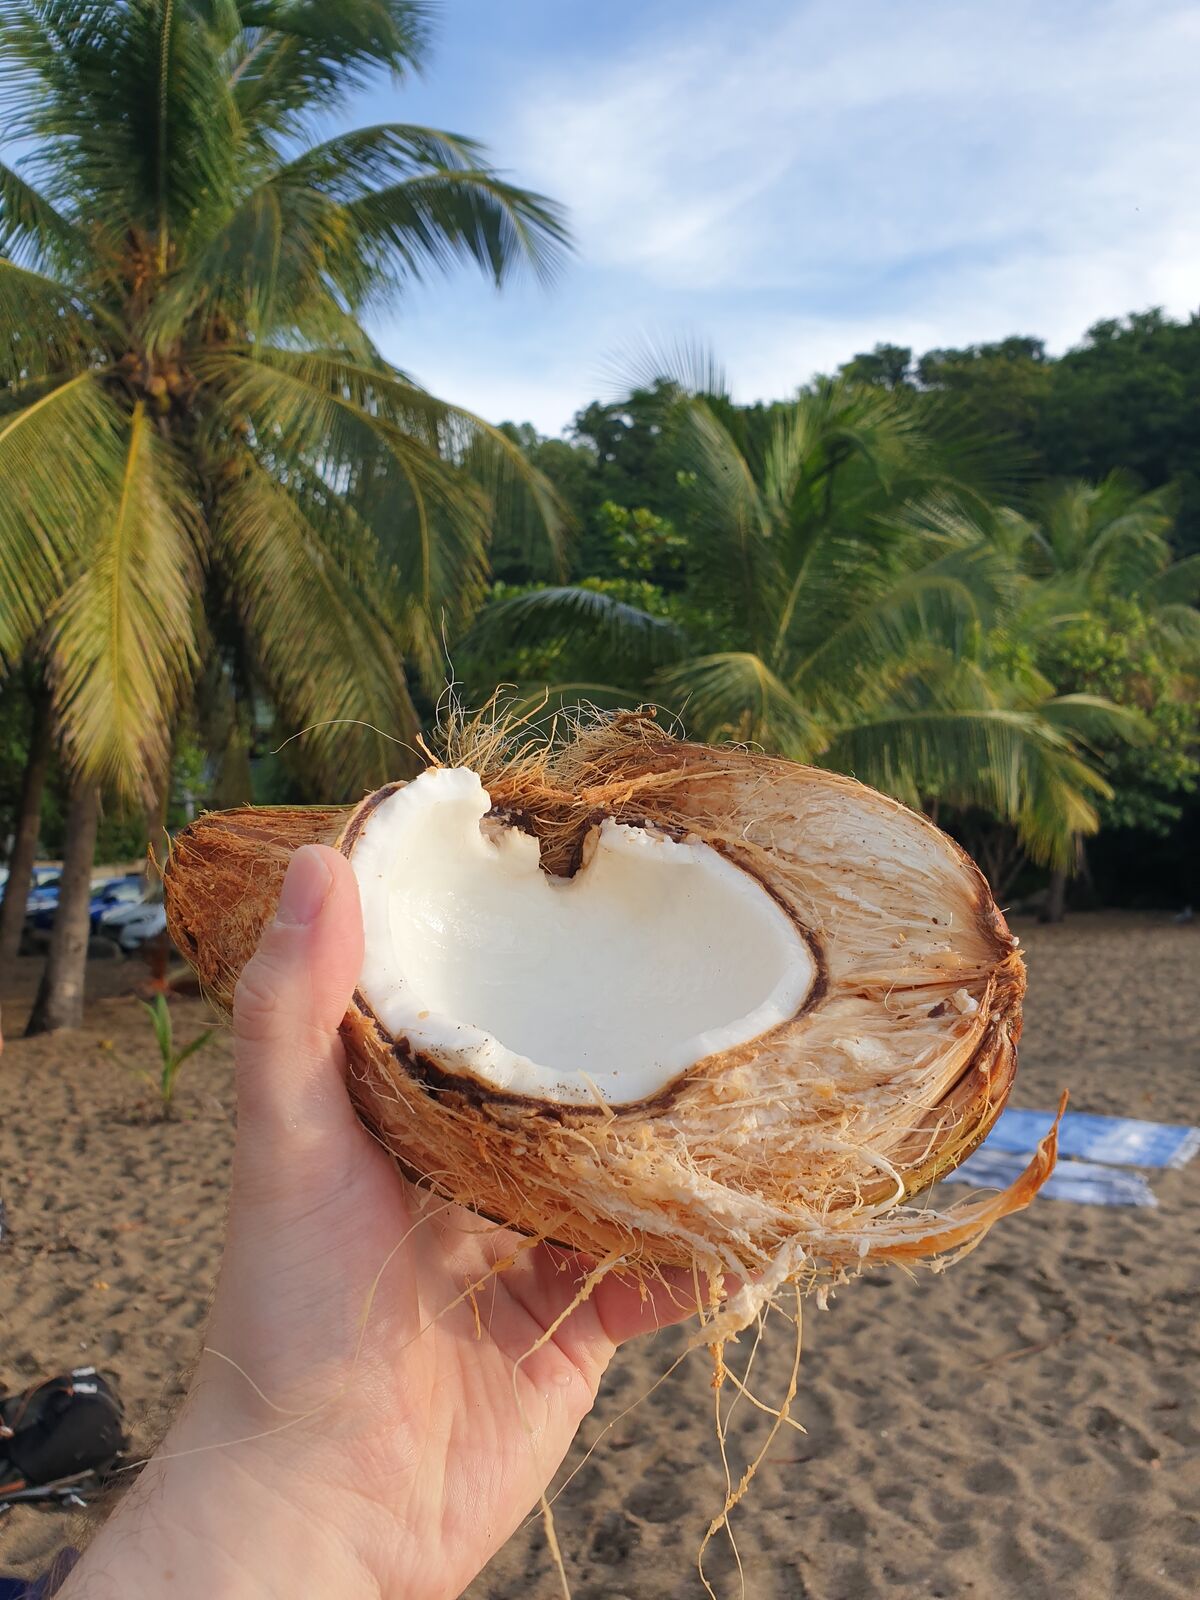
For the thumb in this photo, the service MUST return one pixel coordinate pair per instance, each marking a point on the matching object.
(288, 1004)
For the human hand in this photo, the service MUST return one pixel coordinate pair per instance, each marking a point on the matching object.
(388, 1382)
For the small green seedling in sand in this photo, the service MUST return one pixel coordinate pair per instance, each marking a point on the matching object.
(172, 1059)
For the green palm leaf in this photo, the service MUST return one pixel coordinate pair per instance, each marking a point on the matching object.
(324, 651)
(34, 233)
(606, 630)
(129, 108)
(432, 519)
(50, 330)
(1092, 720)
(732, 559)
(1011, 763)
(442, 218)
(943, 601)
(1110, 535)
(418, 464)
(735, 695)
(1176, 584)
(122, 636)
(60, 453)
(289, 59)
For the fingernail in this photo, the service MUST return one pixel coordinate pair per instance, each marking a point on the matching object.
(304, 888)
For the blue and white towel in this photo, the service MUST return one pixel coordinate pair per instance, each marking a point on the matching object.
(1084, 1182)
(1091, 1151)
(1116, 1141)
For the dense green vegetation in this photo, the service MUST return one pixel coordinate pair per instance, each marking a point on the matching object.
(1125, 398)
(968, 576)
(940, 573)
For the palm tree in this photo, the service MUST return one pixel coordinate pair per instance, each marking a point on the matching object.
(1081, 546)
(197, 431)
(1083, 543)
(844, 593)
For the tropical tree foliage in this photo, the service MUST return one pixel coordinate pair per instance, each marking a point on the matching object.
(1117, 651)
(1081, 545)
(1105, 608)
(1124, 398)
(203, 450)
(848, 598)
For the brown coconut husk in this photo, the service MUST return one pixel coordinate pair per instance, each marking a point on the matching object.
(792, 1158)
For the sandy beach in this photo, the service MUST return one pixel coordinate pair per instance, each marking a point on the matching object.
(1023, 1427)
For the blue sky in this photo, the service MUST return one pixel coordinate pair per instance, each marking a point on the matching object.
(791, 181)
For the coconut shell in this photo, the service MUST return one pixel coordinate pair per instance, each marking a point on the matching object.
(222, 881)
(791, 1157)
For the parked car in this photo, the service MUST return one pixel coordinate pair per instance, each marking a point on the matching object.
(135, 925)
(44, 894)
(44, 877)
(42, 905)
(126, 891)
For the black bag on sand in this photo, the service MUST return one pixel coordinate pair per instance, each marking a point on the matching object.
(64, 1431)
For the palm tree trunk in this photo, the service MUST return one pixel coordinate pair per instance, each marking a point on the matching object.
(1055, 907)
(29, 819)
(59, 1002)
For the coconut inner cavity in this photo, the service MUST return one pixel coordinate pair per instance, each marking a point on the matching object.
(653, 956)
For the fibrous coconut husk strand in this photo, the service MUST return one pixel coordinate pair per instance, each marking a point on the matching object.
(794, 1158)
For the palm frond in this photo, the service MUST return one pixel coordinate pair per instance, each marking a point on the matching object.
(122, 635)
(36, 235)
(1177, 631)
(349, 419)
(937, 606)
(1092, 720)
(129, 112)
(606, 631)
(1176, 584)
(431, 520)
(863, 604)
(372, 209)
(835, 423)
(444, 218)
(348, 222)
(732, 561)
(735, 695)
(1127, 553)
(327, 654)
(298, 58)
(1111, 535)
(383, 391)
(263, 271)
(674, 367)
(1015, 534)
(61, 450)
(356, 163)
(193, 137)
(46, 329)
(1012, 763)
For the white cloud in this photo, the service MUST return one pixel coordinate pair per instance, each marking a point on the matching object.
(796, 180)
(830, 136)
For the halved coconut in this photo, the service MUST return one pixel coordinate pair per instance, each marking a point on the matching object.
(685, 1004)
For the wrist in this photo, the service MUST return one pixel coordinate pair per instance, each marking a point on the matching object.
(207, 1527)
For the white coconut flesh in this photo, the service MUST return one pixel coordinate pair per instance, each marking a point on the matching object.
(653, 956)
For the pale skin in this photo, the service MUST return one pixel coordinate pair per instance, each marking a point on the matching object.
(346, 1434)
